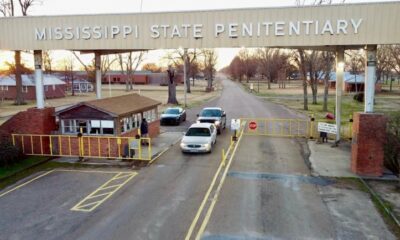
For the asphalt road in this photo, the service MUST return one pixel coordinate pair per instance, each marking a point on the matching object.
(268, 193)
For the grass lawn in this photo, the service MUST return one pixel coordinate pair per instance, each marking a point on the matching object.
(292, 97)
(15, 168)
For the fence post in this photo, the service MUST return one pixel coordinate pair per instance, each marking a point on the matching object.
(80, 150)
(351, 128)
(149, 149)
(312, 126)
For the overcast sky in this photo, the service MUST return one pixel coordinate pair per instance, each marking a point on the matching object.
(68, 7)
(57, 7)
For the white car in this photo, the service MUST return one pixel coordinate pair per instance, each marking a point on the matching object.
(200, 137)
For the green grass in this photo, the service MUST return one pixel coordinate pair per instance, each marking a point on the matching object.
(26, 163)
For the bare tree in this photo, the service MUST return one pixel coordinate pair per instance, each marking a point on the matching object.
(177, 57)
(249, 63)
(152, 67)
(7, 8)
(300, 59)
(89, 68)
(69, 73)
(395, 58)
(48, 62)
(210, 58)
(129, 64)
(27, 4)
(105, 65)
(328, 59)
(171, 86)
(236, 69)
(271, 62)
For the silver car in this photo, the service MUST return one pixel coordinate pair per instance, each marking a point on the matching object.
(200, 137)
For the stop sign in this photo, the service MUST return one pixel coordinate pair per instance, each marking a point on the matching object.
(252, 125)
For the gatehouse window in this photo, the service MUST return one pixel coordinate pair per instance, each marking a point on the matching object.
(150, 115)
(88, 127)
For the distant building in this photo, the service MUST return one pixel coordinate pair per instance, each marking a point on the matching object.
(54, 87)
(352, 82)
(140, 77)
(81, 86)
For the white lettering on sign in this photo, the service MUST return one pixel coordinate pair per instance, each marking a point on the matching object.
(86, 32)
(327, 127)
(185, 30)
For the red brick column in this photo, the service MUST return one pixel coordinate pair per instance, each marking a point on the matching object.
(369, 136)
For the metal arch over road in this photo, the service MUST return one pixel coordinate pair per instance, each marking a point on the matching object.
(312, 26)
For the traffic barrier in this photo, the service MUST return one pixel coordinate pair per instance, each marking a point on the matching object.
(277, 127)
(83, 146)
(303, 128)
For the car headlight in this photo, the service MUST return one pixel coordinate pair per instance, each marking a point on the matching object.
(183, 145)
(217, 123)
(197, 121)
(207, 145)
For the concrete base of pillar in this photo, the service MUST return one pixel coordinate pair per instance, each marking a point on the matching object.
(369, 135)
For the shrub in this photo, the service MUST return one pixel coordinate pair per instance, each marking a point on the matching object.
(392, 146)
(9, 154)
(359, 97)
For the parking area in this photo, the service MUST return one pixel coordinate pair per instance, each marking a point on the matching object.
(48, 202)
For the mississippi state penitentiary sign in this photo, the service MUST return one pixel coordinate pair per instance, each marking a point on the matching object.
(319, 26)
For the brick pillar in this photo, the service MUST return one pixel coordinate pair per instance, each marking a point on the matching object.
(369, 135)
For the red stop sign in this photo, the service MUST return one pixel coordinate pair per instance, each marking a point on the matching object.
(252, 125)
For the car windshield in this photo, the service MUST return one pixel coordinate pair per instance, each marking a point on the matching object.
(210, 113)
(172, 111)
(198, 132)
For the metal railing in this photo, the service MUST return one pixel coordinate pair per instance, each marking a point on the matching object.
(279, 127)
(108, 147)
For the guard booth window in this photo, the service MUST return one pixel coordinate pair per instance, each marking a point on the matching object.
(89, 127)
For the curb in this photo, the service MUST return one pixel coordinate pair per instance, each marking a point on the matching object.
(378, 198)
(157, 155)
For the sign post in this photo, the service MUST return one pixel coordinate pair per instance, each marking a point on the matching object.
(235, 125)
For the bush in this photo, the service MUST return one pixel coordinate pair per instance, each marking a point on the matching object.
(9, 154)
(392, 146)
(359, 97)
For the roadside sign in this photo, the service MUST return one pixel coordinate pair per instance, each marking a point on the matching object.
(252, 125)
(235, 124)
(327, 127)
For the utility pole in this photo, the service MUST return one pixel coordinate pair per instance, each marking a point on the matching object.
(184, 73)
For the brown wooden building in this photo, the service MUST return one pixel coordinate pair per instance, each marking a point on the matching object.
(116, 116)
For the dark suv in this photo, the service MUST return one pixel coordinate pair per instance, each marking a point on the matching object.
(213, 115)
